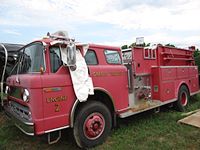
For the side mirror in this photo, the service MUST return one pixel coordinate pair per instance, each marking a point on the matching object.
(41, 70)
(71, 54)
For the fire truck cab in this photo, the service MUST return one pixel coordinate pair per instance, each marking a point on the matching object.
(46, 94)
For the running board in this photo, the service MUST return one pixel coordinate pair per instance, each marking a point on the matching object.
(133, 111)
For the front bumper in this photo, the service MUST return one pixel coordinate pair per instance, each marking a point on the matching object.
(23, 124)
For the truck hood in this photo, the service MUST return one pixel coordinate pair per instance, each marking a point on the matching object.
(26, 80)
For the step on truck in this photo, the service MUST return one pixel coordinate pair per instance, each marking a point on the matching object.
(64, 84)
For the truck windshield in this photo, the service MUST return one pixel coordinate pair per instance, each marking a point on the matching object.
(31, 59)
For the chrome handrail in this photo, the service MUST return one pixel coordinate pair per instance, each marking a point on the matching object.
(3, 73)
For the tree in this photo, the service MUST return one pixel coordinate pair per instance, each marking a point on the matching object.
(142, 45)
(196, 52)
(124, 47)
(132, 45)
(170, 45)
(197, 58)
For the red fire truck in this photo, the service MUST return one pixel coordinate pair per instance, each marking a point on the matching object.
(45, 96)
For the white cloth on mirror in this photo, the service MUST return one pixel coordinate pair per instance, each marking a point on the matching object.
(82, 83)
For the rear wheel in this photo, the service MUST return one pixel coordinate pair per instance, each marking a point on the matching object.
(92, 124)
(183, 97)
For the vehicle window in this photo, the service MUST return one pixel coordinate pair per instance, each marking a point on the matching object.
(149, 53)
(91, 58)
(32, 58)
(112, 57)
(55, 59)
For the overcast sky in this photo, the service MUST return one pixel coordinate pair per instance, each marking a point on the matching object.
(113, 22)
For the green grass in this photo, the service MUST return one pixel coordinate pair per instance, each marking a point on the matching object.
(148, 130)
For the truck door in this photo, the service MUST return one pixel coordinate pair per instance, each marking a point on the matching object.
(57, 92)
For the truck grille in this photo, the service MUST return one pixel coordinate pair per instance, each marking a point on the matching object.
(21, 111)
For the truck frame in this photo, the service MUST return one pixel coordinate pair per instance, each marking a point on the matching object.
(41, 98)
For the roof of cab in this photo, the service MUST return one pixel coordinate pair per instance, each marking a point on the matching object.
(91, 45)
(104, 47)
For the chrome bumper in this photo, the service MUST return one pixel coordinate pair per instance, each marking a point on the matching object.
(24, 125)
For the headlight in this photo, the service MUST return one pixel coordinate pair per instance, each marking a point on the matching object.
(26, 95)
(7, 90)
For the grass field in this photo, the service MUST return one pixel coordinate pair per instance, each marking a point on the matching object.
(144, 131)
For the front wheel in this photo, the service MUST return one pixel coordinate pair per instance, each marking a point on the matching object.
(183, 97)
(92, 124)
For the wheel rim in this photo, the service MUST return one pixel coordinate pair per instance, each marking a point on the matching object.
(184, 99)
(94, 126)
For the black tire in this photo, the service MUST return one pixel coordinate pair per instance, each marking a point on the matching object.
(183, 98)
(99, 128)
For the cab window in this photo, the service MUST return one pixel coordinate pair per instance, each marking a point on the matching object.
(112, 57)
(55, 58)
(31, 58)
(91, 58)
